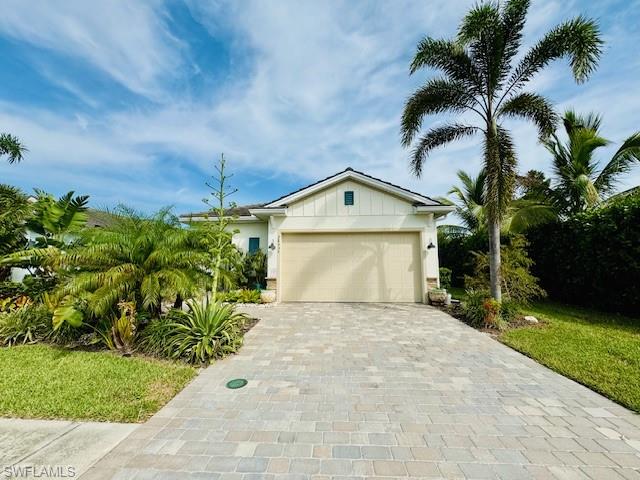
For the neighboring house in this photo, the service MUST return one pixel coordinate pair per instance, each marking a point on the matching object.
(348, 238)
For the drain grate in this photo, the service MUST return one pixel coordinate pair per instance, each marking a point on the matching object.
(237, 383)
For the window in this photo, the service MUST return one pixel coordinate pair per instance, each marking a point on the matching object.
(348, 197)
(254, 244)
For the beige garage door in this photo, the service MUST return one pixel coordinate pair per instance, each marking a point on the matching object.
(350, 267)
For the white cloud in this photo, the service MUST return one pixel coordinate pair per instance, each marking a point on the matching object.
(320, 86)
(128, 41)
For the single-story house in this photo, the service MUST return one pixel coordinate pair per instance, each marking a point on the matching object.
(348, 238)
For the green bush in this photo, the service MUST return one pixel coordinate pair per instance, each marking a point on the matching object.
(445, 278)
(24, 325)
(593, 258)
(473, 306)
(208, 331)
(254, 270)
(239, 296)
(518, 284)
(509, 311)
(156, 335)
(480, 310)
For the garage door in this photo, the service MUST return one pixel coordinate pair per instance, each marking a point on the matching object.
(350, 267)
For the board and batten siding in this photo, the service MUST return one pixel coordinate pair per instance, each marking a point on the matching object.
(329, 202)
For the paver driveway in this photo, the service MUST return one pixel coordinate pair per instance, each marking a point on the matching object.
(353, 390)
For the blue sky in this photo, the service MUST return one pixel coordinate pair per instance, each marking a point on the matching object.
(134, 101)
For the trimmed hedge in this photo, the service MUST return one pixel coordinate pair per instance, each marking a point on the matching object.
(592, 258)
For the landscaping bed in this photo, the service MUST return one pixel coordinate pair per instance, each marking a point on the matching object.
(44, 381)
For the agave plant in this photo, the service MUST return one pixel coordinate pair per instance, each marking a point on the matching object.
(208, 331)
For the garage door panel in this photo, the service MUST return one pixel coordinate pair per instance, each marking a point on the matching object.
(351, 267)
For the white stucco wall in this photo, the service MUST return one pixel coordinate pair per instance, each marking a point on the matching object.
(248, 230)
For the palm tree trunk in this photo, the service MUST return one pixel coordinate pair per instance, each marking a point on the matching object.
(495, 276)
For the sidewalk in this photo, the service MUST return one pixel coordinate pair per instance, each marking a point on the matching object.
(53, 448)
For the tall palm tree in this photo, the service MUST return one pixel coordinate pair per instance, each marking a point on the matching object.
(580, 182)
(483, 80)
(11, 147)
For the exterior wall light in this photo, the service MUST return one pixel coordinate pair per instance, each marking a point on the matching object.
(272, 246)
(431, 245)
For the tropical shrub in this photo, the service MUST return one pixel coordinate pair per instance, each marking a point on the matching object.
(480, 310)
(254, 270)
(156, 335)
(239, 296)
(15, 209)
(121, 334)
(592, 258)
(208, 331)
(519, 285)
(24, 325)
(140, 259)
(445, 277)
(473, 306)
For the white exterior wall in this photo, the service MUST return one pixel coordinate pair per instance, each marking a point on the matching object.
(248, 230)
(373, 211)
(324, 211)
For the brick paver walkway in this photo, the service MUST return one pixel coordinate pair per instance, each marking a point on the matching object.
(362, 391)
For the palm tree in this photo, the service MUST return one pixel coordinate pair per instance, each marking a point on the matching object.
(56, 221)
(15, 209)
(579, 181)
(142, 259)
(483, 79)
(520, 214)
(469, 199)
(11, 147)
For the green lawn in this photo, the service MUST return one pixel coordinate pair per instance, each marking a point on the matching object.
(41, 381)
(599, 350)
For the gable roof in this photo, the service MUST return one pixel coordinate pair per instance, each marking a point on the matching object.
(351, 174)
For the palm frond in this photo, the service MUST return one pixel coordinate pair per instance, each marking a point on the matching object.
(436, 137)
(621, 162)
(12, 148)
(523, 214)
(578, 39)
(449, 57)
(532, 107)
(437, 96)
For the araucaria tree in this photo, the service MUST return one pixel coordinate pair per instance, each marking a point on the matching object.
(483, 80)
